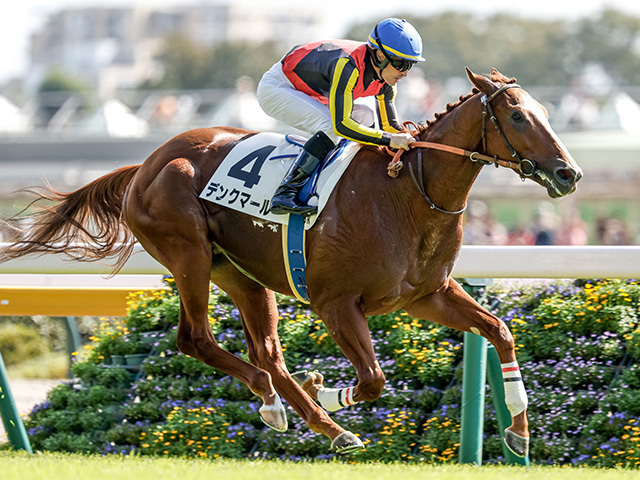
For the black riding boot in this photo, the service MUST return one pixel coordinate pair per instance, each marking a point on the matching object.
(285, 200)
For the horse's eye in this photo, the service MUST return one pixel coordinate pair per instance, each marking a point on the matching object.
(517, 117)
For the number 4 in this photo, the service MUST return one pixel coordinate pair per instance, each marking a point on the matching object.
(254, 162)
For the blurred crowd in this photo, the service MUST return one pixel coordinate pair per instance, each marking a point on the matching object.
(546, 227)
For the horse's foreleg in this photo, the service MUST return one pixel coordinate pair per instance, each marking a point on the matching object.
(452, 307)
(348, 326)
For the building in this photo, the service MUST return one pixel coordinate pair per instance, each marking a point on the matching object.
(111, 48)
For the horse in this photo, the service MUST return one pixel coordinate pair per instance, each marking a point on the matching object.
(381, 244)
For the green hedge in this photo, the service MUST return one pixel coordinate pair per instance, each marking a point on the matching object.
(578, 346)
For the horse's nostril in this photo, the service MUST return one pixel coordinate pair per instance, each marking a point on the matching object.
(566, 176)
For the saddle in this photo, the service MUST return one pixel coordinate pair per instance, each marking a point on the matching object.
(249, 175)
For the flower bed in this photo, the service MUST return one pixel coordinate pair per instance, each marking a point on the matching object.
(578, 345)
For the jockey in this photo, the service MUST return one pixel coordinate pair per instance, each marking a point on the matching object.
(314, 86)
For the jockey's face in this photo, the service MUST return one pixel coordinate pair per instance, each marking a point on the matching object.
(390, 74)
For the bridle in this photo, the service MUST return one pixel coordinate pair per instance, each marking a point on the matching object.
(526, 167)
(522, 166)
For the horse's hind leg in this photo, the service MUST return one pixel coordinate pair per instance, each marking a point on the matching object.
(196, 339)
(173, 229)
(452, 307)
(259, 312)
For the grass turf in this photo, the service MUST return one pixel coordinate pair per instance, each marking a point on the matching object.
(55, 466)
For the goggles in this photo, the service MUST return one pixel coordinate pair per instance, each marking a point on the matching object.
(400, 64)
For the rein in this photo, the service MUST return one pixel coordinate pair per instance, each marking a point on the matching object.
(522, 166)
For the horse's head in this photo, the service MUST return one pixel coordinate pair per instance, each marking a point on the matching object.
(517, 126)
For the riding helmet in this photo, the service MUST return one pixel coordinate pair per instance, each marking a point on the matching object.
(398, 38)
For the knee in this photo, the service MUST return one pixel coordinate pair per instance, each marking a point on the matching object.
(370, 389)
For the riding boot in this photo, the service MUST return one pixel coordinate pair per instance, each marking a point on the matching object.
(285, 200)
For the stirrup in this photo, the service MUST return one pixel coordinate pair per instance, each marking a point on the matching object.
(278, 208)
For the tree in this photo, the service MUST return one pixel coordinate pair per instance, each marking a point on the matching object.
(613, 41)
(537, 52)
(186, 65)
(191, 66)
(57, 80)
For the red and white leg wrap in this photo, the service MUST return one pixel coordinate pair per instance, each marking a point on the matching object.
(515, 395)
(333, 399)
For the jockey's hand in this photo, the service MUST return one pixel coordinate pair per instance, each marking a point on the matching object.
(401, 140)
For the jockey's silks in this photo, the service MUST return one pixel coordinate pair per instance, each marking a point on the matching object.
(336, 73)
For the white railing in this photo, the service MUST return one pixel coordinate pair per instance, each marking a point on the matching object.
(474, 262)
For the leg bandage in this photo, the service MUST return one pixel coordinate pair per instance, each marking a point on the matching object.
(515, 395)
(333, 399)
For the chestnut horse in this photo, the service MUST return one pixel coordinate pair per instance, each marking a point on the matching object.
(381, 244)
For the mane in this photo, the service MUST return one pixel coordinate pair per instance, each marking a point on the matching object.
(449, 107)
(495, 76)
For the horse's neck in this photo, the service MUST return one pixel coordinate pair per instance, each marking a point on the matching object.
(448, 178)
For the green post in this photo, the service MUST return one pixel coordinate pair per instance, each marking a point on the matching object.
(10, 417)
(473, 392)
(74, 340)
(502, 412)
(474, 372)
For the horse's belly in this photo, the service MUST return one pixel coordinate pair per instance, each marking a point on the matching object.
(404, 292)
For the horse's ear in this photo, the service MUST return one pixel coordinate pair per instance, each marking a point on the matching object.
(483, 84)
(496, 76)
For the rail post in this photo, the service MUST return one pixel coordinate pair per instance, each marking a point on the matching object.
(74, 340)
(10, 417)
(478, 354)
(474, 370)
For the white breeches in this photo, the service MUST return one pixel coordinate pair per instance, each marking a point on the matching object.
(279, 99)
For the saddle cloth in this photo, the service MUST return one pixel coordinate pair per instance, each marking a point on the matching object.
(249, 175)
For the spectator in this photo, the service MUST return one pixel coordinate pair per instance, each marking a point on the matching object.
(545, 224)
(573, 231)
(521, 236)
(612, 231)
(481, 228)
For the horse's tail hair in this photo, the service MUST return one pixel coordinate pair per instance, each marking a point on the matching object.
(84, 225)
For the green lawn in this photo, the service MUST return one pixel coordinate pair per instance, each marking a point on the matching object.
(52, 466)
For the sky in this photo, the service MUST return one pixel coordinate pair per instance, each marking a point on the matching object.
(20, 18)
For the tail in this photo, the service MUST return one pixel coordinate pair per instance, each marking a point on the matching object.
(84, 225)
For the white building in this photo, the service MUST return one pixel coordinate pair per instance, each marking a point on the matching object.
(112, 48)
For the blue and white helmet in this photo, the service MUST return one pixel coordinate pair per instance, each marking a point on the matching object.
(397, 37)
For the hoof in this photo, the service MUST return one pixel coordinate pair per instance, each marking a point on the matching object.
(518, 445)
(345, 443)
(274, 416)
(301, 377)
(304, 378)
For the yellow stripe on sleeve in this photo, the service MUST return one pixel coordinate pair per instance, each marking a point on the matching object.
(341, 107)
